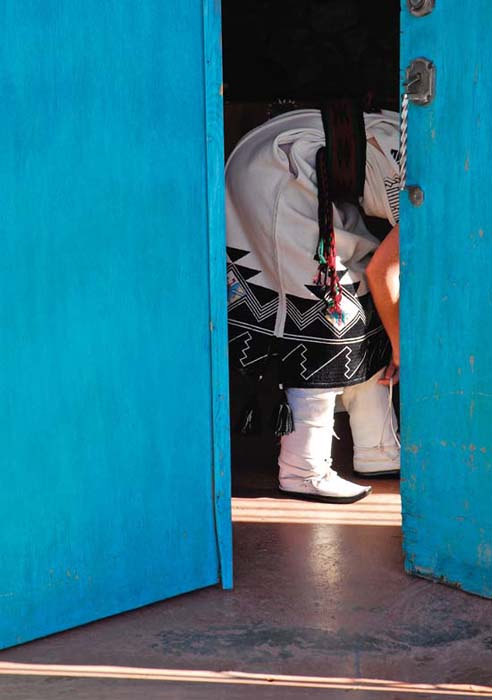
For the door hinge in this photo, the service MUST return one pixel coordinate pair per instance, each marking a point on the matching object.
(420, 83)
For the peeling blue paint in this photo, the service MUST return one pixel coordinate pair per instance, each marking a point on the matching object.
(446, 296)
(109, 457)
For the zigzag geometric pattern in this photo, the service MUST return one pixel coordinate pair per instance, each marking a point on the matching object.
(316, 314)
(248, 303)
(307, 373)
(244, 353)
(392, 187)
(315, 350)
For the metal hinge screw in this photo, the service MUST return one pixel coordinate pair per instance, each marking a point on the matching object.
(416, 195)
(419, 8)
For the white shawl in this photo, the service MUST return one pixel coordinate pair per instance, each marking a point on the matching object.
(272, 235)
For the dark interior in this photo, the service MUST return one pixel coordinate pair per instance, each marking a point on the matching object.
(281, 55)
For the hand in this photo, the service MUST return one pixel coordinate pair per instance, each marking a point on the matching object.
(392, 372)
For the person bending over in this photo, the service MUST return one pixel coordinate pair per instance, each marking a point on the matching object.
(298, 249)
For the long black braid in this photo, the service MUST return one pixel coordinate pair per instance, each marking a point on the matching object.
(340, 171)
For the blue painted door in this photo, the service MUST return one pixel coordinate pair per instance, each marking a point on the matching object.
(446, 252)
(113, 410)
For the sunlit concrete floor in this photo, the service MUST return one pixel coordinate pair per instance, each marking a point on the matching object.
(321, 609)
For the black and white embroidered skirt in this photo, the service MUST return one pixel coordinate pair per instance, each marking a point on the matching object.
(275, 308)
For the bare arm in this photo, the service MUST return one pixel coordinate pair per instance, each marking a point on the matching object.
(383, 276)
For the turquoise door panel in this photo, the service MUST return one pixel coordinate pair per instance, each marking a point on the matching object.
(111, 313)
(446, 305)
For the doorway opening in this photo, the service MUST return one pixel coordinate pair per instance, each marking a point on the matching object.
(280, 56)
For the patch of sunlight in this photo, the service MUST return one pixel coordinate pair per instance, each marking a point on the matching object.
(378, 509)
(232, 677)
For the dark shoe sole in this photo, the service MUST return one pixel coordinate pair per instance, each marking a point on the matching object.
(370, 475)
(324, 499)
